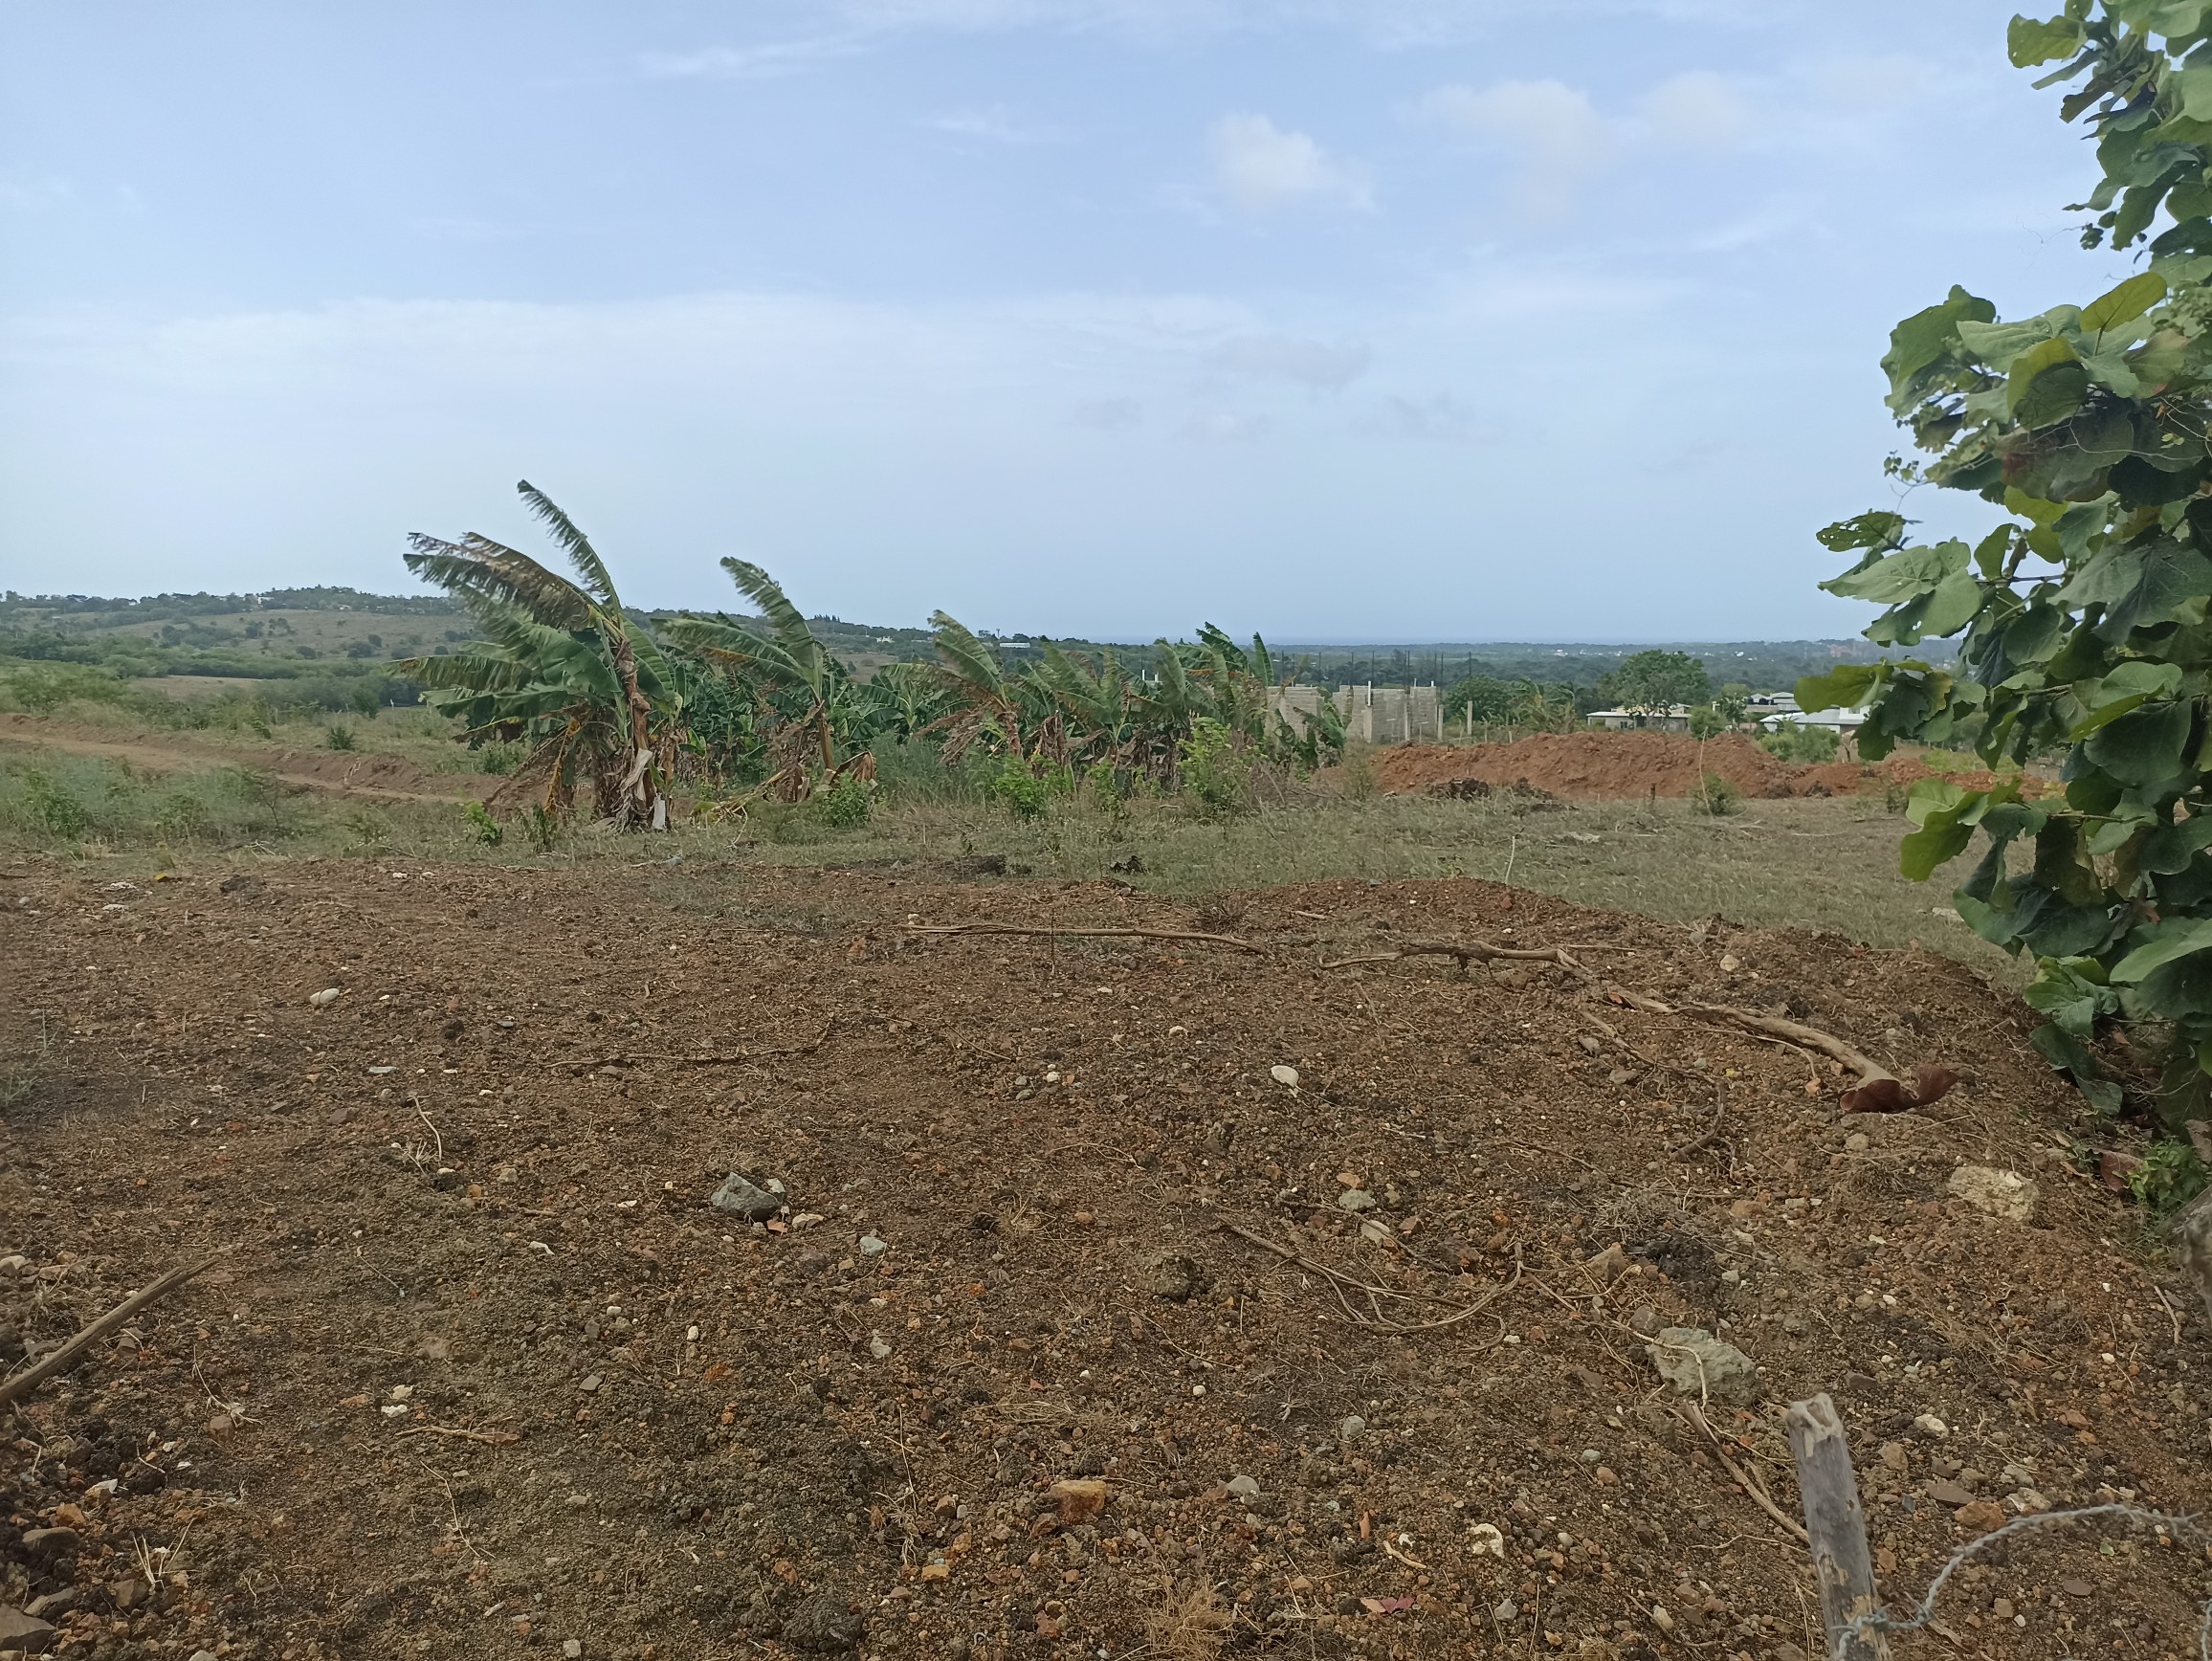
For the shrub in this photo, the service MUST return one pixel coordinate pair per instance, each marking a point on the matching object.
(2170, 1176)
(1019, 790)
(487, 830)
(1217, 774)
(845, 805)
(1717, 797)
(1801, 745)
(542, 828)
(500, 757)
(339, 737)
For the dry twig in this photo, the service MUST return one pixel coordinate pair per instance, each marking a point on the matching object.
(1127, 934)
(72, 1352)
(1377, 1321)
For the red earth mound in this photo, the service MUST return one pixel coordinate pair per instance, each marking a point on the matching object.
(1602, 766)
(1592, 767)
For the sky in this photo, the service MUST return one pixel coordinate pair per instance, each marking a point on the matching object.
(1342, 319)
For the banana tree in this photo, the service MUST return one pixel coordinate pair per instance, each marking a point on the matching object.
(563, 666)
(815, 725)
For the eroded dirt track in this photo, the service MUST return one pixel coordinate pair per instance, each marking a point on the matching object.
(481, 1371)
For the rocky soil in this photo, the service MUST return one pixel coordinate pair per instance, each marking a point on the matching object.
(1078, 1295)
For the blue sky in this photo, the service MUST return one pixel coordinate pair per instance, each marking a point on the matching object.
(1340, 319)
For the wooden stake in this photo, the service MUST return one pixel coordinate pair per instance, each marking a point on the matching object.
(1837, 1527)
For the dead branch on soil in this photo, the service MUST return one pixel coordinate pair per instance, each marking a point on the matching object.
(1747, 1480)
(490, 1438)
(725, 1058)
(1373, 1294)
(1472, 951)
(1123, 934)
(72, 1352)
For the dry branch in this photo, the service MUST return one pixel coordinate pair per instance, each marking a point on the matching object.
(1466, 952)
(72, 1352)
(1125, 934)
(1373, 1294)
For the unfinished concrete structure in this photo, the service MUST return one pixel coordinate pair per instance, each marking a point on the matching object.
(1372, 714)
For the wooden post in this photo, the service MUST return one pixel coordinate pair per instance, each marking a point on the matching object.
(1838, 1526)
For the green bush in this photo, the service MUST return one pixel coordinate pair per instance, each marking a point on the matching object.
(486, 830)
(1217, 772)
(2170, 1176)
(1717, 797)
(1801, 745)
(500, 757)
(1020, 791)
(845, 805)
(339, 737)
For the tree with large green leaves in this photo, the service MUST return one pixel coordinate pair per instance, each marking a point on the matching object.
(2081, 614)
(561, 667)
(816, 724)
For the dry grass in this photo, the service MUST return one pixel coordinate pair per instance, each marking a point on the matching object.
(1192, 1627)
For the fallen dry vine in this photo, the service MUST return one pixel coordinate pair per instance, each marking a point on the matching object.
(1377, 1321)
(1126, 934)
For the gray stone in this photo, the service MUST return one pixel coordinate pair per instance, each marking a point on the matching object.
(1696, 1363)
(1245, 1487)
(824, 1625)
(1350, 1429)
(738, 1195)
(49, 1542)
(1509, 1610)
(872, 1247)
(1355, 1199)
(24, 1633)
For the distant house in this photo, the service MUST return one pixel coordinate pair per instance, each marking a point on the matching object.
(1675, 718)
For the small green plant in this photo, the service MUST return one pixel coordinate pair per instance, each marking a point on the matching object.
(501, 758)
(52, 807)
(487, 830)
(1217, 772)
(365, 831)
(846, 804)
(542, 829)
(1717, 797)
(339, 736)
(2170, 1176)
(1019, 790)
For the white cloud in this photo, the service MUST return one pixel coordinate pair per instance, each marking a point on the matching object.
(1698, 111)
(1559, 139)
(1259, 166)
(993, 126)
(1314, 363)
(760, 62)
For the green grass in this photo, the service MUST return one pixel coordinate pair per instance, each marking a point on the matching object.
(1823, 863)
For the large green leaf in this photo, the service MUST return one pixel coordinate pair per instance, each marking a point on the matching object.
(2144, 747)
(2165, 941)
(2123, 304)
(1904, 575)
(1844, 687)
(2029, 42)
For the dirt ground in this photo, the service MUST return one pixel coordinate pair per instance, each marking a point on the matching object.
(368, 773)
(479, 1369)
(1594, 766)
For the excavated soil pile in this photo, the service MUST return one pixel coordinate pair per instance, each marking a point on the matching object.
(1589, 767)
(480, 1370)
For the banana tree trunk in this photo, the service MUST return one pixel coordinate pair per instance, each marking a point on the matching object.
(641, 800)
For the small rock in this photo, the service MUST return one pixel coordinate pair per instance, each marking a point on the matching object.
(572, 1649)
(1177, 1277)
(2006, 1194)
(324, 999)
(50, 1542)
(1286, 1077)
(591, 1385)
(879, 1346)
(127, 1594)
(1608, 1265)
(1856, 1142)
(1980, 1516)
(1661, 1619)
(1245, 1487)
(1350, 1429)
(1944, 1491)
(1646, 1321)
(872, 1247)
(1509, 1610)
(29, 1634)
(739, 1196)
(1929, 1425)
(2076, 1588)
(824, 1625)
(1696, 1363)
(1355, 1199)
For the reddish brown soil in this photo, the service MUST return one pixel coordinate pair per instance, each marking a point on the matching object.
(1591, 766)
(481, 1373)
(1627, 766)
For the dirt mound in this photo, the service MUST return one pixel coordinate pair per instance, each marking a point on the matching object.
(1590, 767)
(482, 1365)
